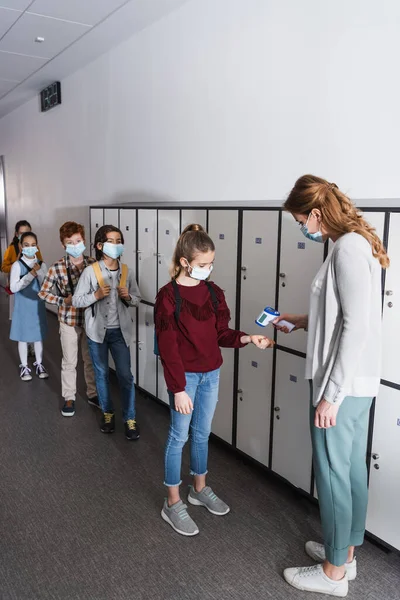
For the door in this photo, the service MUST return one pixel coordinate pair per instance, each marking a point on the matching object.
(96, 221)
(134, 345)
(162, 392)
(147, 253)
(223, 230)
(300, 261)
(383, 518)
(254, 403)
(111, 216)
(258, 271)
(168, 234)
(291, 453)
(147, 376)
(127, 224)
(391, 305)
(193, 216)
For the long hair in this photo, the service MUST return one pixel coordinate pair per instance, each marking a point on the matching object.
(101, 238)
(339, 214)
(193, 240)
(19, 224)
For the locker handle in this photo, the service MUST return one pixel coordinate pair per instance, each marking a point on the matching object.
(389, 293)
(140, 342)
(375, 456)
(277, 409)
(240, 391)
(282, 275)
(244, 268)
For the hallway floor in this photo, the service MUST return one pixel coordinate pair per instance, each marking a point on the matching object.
(80, 511)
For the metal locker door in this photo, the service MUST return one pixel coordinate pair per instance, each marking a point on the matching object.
(223, 230)
(383, 519)
(168, 234)
(96, 221)
(254, 403)
(376, 219)
(259, 258)
(134, 313)
(292, 453)
(147, 253)
(162, 392)
(300, 261)
(147, 376)
(193, 216)
(391, 305)
(127, 224)
(111, 216)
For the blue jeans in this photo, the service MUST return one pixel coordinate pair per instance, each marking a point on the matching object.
(202, 389)
(115, 343)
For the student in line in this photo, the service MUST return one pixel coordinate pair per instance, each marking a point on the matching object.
(344, 366)
(192, 323)
(29, 321)
(107, 289)
(58, 288)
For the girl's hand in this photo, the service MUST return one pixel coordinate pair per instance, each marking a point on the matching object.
(325, 415)
(123, 292)
(36, 267)
(102, 292)
(261, 341)
(183, 403)
(299, 322)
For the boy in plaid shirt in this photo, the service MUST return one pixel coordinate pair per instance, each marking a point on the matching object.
(58, 288)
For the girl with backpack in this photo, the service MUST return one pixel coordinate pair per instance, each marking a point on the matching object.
(107, 289)
(29, 322)
(191, 324)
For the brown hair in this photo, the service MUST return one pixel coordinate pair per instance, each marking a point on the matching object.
(193, 240)
(70, 228)
(339, 214)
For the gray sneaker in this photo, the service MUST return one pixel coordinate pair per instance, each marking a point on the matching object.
(208, 499)
(177, 516)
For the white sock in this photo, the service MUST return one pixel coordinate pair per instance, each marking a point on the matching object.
(39, 352)
(23, 353)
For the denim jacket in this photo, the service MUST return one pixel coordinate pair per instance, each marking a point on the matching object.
(96, 318)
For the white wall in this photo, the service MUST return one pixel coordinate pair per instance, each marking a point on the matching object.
(221, 100)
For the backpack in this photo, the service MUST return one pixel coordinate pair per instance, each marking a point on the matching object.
(122, 282)
(178, 306)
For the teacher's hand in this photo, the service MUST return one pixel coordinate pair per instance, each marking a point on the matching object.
(325, 415)
(299, 322)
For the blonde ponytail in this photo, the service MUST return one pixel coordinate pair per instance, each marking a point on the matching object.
(193, 240)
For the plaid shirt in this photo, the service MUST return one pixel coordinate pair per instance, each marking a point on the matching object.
(56, 288)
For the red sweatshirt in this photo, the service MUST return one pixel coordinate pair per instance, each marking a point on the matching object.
(193, 344)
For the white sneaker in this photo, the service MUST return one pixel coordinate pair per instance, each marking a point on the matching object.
(317, 553)
(25, 373)
(313, 579)
(41, 371)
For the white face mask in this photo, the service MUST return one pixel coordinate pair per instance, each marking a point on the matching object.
(201, 274)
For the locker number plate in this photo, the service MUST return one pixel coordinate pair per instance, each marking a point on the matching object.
(221, 236)
(293, 378)
(301, 246)
(167, 232)
(146, 230)
(147, 324)
(258, 240)
(254, 364)
(398, 422)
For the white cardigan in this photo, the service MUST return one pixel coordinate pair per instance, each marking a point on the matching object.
(345, 322)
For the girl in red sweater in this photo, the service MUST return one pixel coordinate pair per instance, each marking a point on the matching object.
(192, 323)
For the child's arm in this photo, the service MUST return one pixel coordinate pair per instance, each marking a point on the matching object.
(49, 286)
(85, 295)
(18, 283)
(134, 291)
(167, 339)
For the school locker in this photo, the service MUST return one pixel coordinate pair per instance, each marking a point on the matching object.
(127, 224)
(258, 284)
(193, 216)
(223, 230)
(168, 234)
(291, 452)
(300, 261)
(96, 221)
(111, 216)
(162, 392)
(391, 306)
(147, 375)
(134, 314)
(147, 253)
(383, 518)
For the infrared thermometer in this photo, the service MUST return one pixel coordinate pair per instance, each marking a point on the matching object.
(268, 315)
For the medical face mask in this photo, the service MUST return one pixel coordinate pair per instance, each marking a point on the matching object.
(315, 237)
(75, 251)
(29, 252)
(113, 250)
(201, 274)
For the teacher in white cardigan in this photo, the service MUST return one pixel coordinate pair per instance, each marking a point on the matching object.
(344, 365)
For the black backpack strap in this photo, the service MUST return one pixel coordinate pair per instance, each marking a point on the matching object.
(213, 295)
(178, 300)
(25, 265)
(70, 283)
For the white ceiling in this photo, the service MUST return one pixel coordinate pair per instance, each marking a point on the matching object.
(75, 32)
